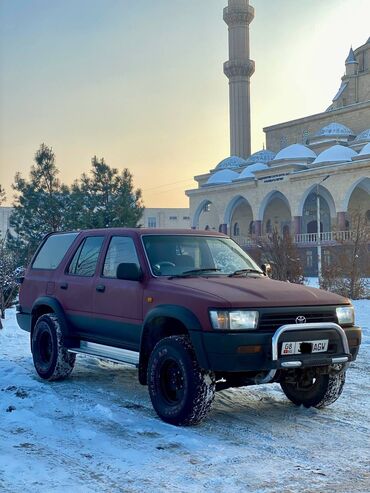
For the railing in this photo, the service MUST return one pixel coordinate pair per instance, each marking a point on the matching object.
(327, 236)
(305, 238)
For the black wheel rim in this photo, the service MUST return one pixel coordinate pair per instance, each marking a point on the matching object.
(45, 347)
(172, 382)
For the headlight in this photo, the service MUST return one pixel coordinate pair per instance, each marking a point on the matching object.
(234, 319)
(345, 315)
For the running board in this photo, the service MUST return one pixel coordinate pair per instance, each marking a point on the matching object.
(115, 354)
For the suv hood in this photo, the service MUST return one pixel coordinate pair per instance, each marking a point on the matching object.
(260, 291)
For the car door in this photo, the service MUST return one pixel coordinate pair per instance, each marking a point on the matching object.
(75, 285)
(117, 303)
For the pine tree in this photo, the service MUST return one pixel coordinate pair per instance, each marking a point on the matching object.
(105, 198)
(8, 284)
(2, 195)
(40, 205)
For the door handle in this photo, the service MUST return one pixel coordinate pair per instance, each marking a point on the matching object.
(100, 288)
(64, 285)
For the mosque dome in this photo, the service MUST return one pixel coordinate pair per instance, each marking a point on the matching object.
(366, 150)
(263, 156)
(231, 163)
(363, 136)
(295, 151)
(222, 177)
(335, 154)
(334, 130)
(249, 171)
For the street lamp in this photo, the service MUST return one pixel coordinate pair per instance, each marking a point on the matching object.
(319, 262)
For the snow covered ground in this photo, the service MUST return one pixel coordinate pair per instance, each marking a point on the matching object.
(97, 432)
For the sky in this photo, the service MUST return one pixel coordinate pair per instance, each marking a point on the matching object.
(140, 82)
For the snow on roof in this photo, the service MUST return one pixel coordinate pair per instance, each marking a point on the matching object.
(263, 156)
(365, 150)
(249, 171)
(221, 177)
(334, 129)
(363, 136)
(335, 154)
(231, 163)
(295, 151)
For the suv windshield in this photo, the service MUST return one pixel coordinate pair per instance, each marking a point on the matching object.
(196, 255)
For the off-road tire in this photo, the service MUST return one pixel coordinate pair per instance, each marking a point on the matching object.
(181, 392)
(50, 357)
(326, 389)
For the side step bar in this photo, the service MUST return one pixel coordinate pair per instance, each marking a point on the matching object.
(117, 355)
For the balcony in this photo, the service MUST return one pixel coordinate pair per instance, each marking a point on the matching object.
(301, 240)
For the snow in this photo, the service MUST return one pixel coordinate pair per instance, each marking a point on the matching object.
(97, 432)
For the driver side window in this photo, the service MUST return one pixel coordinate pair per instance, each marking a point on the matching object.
(121, 250)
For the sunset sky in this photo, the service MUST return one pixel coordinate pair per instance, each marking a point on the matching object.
(140, 82)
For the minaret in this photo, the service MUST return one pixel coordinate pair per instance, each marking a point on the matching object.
(238, 15)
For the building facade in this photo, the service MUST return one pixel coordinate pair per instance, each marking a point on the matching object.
(178, 218)
(313, 176)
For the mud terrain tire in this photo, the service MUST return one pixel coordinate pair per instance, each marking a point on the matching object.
(325, 390)
(50, 357)
(181, 392)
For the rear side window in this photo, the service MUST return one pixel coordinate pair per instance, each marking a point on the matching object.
(53, 251)
(121, 250)
(86, 257)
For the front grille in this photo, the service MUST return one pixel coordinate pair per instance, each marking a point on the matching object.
(270, 319)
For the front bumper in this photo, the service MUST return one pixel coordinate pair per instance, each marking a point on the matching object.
(260, 351)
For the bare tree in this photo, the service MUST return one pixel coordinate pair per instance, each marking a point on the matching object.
(281, 252)
(346, 274)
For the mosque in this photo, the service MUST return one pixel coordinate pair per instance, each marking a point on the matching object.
(326, 155)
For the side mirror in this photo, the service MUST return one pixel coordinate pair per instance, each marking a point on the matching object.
(266, 269)
(129, 272)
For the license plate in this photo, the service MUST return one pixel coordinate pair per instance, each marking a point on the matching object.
(308, 348)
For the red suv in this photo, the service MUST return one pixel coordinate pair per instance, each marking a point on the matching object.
(191, 310)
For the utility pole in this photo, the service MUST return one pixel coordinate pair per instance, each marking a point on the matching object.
(318, 221)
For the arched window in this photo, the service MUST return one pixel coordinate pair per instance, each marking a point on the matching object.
(252, 228)
(236, 229)
(207, 228)
(268, 226)
(286, 230)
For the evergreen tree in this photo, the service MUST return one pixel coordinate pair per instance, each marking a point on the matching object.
(40, 205)
(2, 195)
(105, 198)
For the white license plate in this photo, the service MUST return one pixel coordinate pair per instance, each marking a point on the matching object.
(295, 347)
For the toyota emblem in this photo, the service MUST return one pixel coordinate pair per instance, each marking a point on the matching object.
(300, 320)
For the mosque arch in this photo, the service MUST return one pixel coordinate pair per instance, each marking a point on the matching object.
(362, 184)
(206, 216)
(308, 210)
(238, 216)
(275, 213)
(359, 201)
(324, 193)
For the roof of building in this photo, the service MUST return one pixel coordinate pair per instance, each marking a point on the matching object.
(295, 151)
(365, 150)
(250, 170)
(262, 156)
(231, 163)
(351, 57)
(335, 154)
(221, 177)
(363, 136)
(334, 129)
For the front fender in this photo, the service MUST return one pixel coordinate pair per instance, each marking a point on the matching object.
(190, 322)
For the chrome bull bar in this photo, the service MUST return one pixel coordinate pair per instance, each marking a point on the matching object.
(297, 363)
(310, 326)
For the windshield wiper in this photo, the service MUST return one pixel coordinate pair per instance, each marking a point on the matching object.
(245, 271)
(188, 273)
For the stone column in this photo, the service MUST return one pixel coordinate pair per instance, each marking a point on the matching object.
(297, 223)
(238, 69)
(341, 221)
